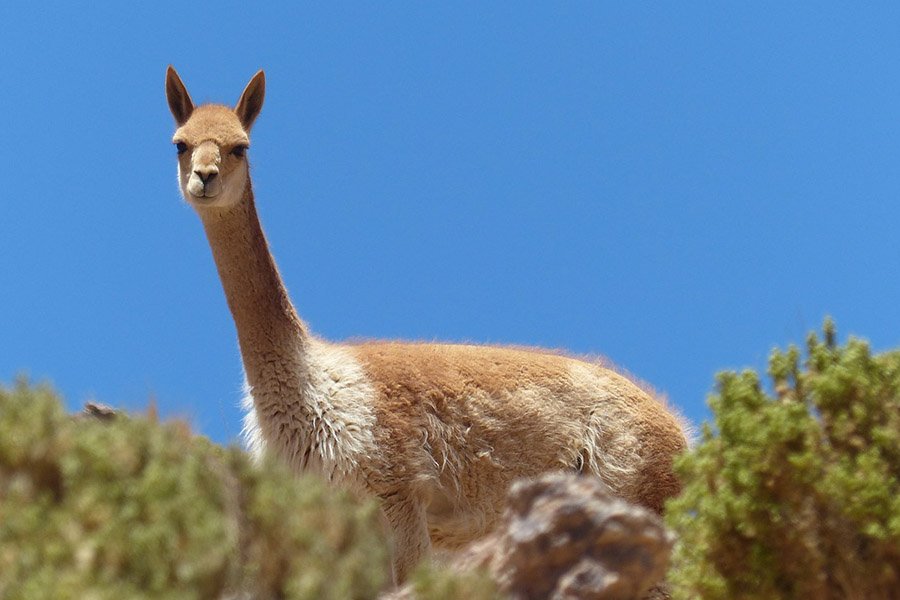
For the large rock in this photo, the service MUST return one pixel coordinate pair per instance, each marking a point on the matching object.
(568, 536)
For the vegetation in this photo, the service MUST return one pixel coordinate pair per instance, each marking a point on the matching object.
(134, 509)
(792, 492)
(795, 493)
(432, 582)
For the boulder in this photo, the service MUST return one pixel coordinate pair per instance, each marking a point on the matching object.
(568, 536)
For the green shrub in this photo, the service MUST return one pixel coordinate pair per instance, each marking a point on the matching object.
(795, 493)
(435, 583)
(135, 509)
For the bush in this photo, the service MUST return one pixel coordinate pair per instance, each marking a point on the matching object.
(795, 493)
(432, 582)
(134, 509)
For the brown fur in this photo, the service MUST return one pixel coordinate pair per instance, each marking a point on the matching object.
(214, 123)
(437, 432)
(469, 425)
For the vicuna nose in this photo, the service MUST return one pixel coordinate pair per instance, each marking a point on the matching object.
(206, 175)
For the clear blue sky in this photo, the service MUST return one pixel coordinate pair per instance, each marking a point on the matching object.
(679, 188)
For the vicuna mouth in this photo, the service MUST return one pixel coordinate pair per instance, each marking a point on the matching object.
(205, 199)
(201, 192)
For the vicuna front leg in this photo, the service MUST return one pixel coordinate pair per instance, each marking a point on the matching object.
(405, 515)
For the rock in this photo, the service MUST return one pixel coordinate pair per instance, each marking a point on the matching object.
(98, 411)
(567, 536)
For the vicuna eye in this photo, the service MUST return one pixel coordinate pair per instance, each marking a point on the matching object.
(181, 147)
(239, 151)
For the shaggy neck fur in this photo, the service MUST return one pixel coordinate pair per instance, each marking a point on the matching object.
(308, 401)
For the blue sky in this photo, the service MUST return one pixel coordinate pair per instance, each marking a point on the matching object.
(677, 187)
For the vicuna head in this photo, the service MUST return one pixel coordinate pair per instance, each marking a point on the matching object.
(212, 142)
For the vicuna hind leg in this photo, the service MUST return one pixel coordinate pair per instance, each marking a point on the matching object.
(405, 515)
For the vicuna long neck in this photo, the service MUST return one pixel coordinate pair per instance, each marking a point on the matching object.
(270, 333)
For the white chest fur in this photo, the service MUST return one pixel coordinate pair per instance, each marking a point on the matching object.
(316, 414)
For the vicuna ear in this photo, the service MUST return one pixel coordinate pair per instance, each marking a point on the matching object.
(180, 102)
(251, 101)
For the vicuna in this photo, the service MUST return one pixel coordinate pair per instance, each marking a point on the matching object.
(437, 432)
